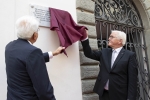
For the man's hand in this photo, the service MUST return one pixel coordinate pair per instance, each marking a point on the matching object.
(58, 51)
(86, 36)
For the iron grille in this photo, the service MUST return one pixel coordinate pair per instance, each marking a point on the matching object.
(122, 15)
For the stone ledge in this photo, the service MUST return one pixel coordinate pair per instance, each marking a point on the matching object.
(92, 96)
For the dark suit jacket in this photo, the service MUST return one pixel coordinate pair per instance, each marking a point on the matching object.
(122, 76)
(27, 76)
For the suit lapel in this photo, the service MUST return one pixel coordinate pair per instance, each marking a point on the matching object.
(118, 58)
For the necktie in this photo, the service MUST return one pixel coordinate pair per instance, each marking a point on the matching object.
(113, 57)
(112, 62)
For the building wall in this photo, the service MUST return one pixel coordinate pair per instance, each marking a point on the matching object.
(64, 72)
(89, 68)
(144, 9)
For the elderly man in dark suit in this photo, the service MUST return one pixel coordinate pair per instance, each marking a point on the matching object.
(27, 76)
(117, 79)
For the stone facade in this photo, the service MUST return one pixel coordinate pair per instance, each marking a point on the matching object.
(90, 68)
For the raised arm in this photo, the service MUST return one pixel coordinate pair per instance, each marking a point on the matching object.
(88, 52)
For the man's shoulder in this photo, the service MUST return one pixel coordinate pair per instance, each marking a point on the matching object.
(31, 49)
(106, 49)
(10, 43)
(129, 51)
(26, 46)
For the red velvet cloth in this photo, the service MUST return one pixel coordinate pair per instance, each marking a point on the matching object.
(68, 31)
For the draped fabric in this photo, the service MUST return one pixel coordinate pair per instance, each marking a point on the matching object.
(68, 31)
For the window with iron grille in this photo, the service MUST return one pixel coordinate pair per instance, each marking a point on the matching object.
(123, 15)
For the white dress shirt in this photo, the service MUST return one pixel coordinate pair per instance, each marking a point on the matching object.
(114, 56)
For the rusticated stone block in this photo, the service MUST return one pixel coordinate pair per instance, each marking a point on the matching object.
(93, 44)
(92, 96)
(87, 86)
(89, 71)
(148, 12)
(147, 4)
(84, 60)
(91, 30)
(83, 4)
(85, 17)
(147, 37)
(142, 0)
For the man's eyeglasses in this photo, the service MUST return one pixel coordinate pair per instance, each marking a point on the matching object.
(112, 37)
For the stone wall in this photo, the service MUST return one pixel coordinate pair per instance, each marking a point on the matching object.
(89, 68)
(146, 6)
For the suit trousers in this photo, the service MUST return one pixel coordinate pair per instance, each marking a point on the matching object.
(105, 95)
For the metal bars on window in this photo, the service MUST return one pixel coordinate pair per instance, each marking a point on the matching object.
(122, 15)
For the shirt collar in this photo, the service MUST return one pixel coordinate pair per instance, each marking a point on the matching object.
(29, 42)
(118, 49)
